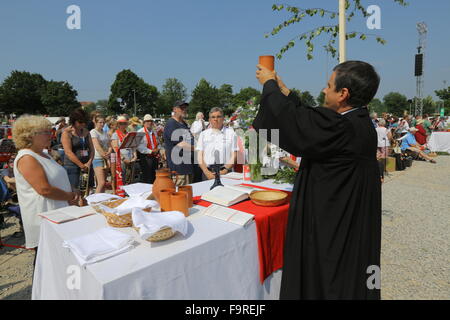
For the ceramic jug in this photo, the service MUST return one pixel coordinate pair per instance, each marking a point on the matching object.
(163, 181)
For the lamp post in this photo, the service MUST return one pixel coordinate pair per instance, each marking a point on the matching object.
(134, 93)
(342, 32)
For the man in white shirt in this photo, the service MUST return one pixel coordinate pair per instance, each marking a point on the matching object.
(148, 151)
(216, 144)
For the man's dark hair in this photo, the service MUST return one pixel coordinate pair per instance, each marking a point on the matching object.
(361, 80)
(78, 115)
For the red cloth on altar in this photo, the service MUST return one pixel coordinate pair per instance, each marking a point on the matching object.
(270, 228)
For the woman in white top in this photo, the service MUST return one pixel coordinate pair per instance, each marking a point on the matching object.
(384, 136)
(102, 145)
(42, 184)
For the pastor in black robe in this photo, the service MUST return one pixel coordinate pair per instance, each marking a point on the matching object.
(334, 227)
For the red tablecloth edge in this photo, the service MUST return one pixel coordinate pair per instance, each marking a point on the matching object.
(268, 225)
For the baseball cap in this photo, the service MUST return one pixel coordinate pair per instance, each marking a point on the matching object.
(180, 103)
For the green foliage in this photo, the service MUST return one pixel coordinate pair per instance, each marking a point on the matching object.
(21, 93)
(320, 99)
(128, 86)
(429, 105)
(307, 99)
(226, 98)
(172, 90)
(376, 105)
(102, 107)
(24, 92)
(90, 107)
(204, 97)
(444, 95)
(300, 14)
(247, 113)
(284, 175)
(59, 98)
(246, 94)
(396, 103)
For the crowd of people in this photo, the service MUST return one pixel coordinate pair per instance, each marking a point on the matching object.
(55, 161)
(408, 135)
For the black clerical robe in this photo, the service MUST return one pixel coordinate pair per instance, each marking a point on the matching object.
(334, 227)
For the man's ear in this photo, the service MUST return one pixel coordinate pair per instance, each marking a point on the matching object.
(344, 95)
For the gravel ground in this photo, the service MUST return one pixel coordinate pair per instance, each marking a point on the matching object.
(415, 256)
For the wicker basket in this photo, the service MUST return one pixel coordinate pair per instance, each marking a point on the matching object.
(114, 220)
(163, 234)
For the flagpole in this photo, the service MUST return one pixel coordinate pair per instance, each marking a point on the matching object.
(342, 32)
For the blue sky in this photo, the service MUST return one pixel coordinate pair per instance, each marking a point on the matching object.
(216, 40)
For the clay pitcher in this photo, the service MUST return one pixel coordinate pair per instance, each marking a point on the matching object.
(163, 181)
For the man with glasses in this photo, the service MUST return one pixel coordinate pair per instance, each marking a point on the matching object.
(179, 144)
(216, 144)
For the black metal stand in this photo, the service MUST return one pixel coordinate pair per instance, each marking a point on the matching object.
(217, 181)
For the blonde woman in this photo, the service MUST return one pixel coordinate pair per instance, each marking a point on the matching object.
(102, 145)
(42, 184)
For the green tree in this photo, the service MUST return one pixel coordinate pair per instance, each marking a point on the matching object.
(429, 105)
(307, 99)
(376, 105)
(226, 98)
(246, 94)
(102, 107)
(172, 90)
(59, 98)
(21, 93)
(320, 99)
(299, 14)
(204, 97)
(129, 89)
(396, 103)
(444, 95)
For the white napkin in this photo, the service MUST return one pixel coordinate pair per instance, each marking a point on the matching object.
(138, 189)
(99, 245)
(151, 222)
(127, 206)
(99, 197)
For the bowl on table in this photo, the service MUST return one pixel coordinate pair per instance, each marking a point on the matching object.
(269, 198)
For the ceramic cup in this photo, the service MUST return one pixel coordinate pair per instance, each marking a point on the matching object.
(164, 199)
(188, 190)
(179, 202)
(268, 62)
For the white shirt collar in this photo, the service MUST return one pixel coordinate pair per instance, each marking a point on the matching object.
(348, 111)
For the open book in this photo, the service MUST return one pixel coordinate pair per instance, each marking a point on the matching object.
(228, 195)
(66, 214)
(233, 175)
(228, 214)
